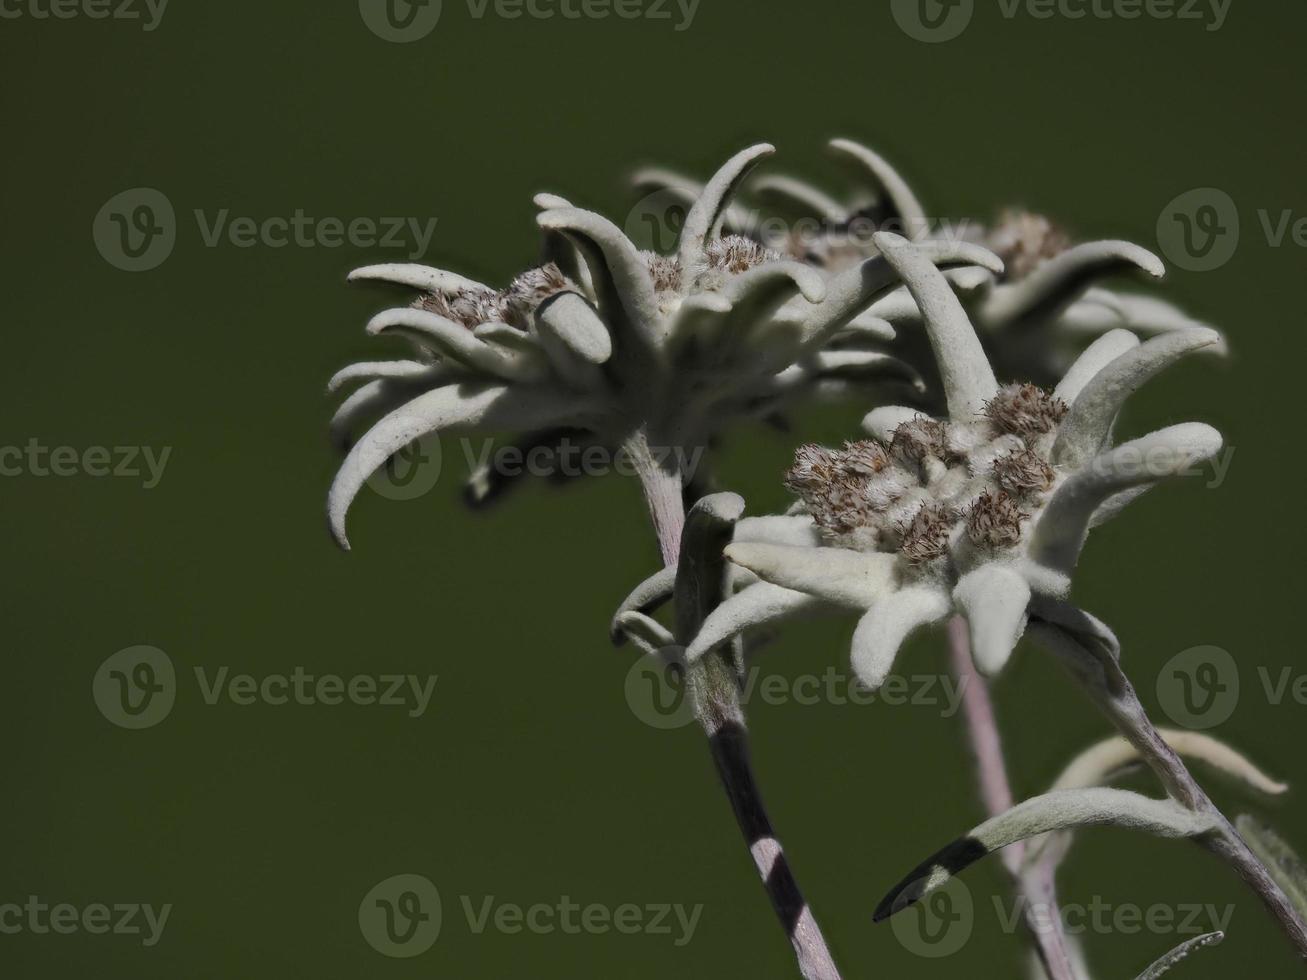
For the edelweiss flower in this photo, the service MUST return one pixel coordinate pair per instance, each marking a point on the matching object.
(604, 342)
(1033, 318)
(972, 513)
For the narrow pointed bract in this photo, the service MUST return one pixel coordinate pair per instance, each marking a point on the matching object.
(1063, 810)
(968, 379)
(897, 190)
(887, 624)
(993, 599)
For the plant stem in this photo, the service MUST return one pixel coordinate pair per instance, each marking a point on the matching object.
(721, 714)
(1092, 654)
(1035, 886)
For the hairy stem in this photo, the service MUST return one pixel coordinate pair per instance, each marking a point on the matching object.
(1094, 661)
(714, 683)
(1035, 886)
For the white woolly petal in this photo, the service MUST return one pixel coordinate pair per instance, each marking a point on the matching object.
(846, 578)
(619, 272)
(374, 370)
(1086, 427)
(569, 321)
(887, 624)
(897, 308)
(1064, 810)
(646, 597)
(867, 328)
(1100, 763)
(1053, 286)
(759, 605)
(994, 600)
(798, 531)
(378, 397)
(888, 179)
(452, 408)
(1096, 357)
(880, 423)
(768, 284)
(754, 324)
(969, 279)
(451, 339)
(698, 322)
(1104, 309)
(801, 196)
(508, 338)
(687, 190)
(419, 277)
(551, 202)
(1060, 533)
(1113, 506)
(856, 290)
(704, 220)
(857, 364)
(574, 339)
(652, 637)
(964, 368)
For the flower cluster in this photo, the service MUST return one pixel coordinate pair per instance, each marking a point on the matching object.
(603, 341)
(1033, 317)
(975, 512)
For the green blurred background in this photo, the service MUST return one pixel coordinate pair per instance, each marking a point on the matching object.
(530, 777)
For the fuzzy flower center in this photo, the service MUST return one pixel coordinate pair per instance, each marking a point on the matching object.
(514, 306)
(730, 255)
(936, 483)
